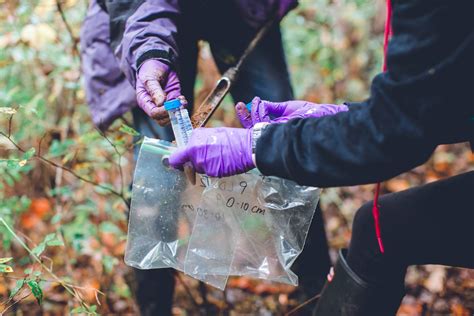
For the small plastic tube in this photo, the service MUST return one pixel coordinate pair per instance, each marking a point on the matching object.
(182, 129)
(180, 121)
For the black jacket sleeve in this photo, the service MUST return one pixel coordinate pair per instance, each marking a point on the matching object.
(424, 99)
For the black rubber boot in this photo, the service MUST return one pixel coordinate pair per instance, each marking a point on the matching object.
(154, 291)
(348, 295)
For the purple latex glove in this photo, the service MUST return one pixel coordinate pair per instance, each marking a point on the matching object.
(217, 152)
(282, 112)
(156, 83)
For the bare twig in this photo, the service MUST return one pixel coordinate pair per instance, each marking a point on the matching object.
(68, 170)
(39, 144)
(187, 290)
(297, 308)
(74, 48)
(119, 159)
(83, 288)
(75, 52)
(58, 226)
(10, 125)
(15, 302)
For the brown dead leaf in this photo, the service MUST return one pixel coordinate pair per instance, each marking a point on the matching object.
(272, 288)
(40, 207)
(119, 249)
(396, 185)
(241, 283)
(409, 310)
(108, 239)
(431, 176)
(435, 282)
(89, 290)
(29, 220)
(459, 310)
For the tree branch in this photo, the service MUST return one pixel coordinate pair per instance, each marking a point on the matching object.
(10, 125)
(75, 49)
(119, 162)
(68, 170)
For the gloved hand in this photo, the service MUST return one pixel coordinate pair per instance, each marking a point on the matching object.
(282, 112)
(217, 152)
(156, 83)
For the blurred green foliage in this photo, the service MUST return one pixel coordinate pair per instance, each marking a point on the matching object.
(332, 49)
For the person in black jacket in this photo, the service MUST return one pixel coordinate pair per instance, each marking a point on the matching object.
(425, 98)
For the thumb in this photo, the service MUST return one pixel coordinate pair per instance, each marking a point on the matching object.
(244, 115)
(153, 87)
(178, 158)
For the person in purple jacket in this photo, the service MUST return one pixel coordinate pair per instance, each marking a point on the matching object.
(138, 54)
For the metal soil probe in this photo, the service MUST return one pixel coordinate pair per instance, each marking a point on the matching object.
(223, 85)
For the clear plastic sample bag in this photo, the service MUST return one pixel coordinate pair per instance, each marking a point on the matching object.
(246, 224)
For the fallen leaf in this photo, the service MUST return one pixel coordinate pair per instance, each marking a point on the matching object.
(119, 249)
(108, 239)
(40, 207)
(396, 185)
(243, 283)
(409, 310)
(89, 289)
(459, 310)
(7, 110)
(5, 268)
(435, 281)
(29, 220)
(5, 260)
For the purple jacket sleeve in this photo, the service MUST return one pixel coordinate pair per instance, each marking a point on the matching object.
(144, 29)
(108, 93)
(149, 29)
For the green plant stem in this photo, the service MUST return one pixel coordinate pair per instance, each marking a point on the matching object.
(38, 260)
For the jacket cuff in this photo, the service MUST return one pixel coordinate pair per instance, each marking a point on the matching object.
(164, 56)
(349, 104)
(264, 162)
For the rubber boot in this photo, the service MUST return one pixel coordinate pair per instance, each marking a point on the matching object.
(349, 295)
(154, 291)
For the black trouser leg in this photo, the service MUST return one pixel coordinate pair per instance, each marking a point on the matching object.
(154, 291)
(430, 224)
